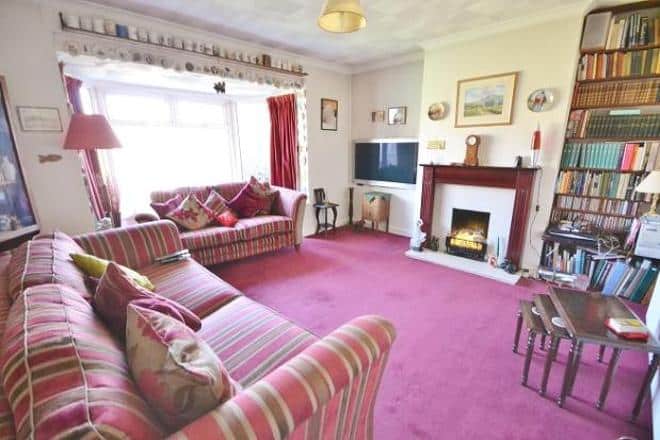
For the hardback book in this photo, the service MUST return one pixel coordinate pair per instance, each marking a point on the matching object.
(628, 328)
(596, 31)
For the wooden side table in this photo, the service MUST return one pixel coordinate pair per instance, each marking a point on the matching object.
(325, 226)
(376, 209)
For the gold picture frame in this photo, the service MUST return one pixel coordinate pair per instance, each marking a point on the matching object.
(486, 100)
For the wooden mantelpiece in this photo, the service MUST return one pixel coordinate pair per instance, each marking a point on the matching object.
(519, 179)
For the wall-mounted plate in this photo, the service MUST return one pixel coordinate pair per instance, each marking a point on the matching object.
(437, 111)
(540, 100)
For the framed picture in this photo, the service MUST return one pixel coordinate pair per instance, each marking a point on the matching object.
(378, 116)
(487, 100)
(397, 115)
(329, 112)
(17, 217)
(39, 119)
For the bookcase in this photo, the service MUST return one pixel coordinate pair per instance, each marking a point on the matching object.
(612, 142)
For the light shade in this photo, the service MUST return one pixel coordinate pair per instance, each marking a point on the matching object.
(650, 184)
(90, 132)
(342, 16)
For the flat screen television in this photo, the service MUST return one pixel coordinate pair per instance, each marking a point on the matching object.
(389, 161)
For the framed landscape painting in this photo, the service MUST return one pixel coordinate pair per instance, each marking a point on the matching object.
(487, 100)
(17, 218)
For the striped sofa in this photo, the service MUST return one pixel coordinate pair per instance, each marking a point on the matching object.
(64, 375)
(250, 236)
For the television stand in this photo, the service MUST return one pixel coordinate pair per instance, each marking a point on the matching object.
(376, 209)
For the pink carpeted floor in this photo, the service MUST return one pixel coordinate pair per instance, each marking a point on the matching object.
(451, 374)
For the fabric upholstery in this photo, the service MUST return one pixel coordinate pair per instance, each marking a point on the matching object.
(244, 230)
(116, 290)
(95, 267)
(133, 246)
(164, 208)
(191, 214)
(252, 340)
(65, 375)
(216, 203)
(250, 202)
(241, 249)
(176, 371)
(7, 430)
(191, 285)
(45, 260)
(326, 391)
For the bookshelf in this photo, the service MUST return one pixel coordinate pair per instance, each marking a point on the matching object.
(612, 142)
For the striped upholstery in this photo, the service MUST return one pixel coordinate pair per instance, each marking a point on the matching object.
(246, 229)
(328, 391)
(45, 260)
(242, 249)
(7, 430)
(65, 375)
(133, 246)
(227, 190)
(252, 340)
(191, 285)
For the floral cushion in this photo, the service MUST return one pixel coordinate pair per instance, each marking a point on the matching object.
(255, 198)
(177, 372)
(164, 208)
(191, 214)
(116, 290)
(227, 219)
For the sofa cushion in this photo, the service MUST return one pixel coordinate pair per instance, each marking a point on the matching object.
(191, 214)
(252, 340)
(164, 208)
(65, 375)
(46, 260)
(116, 290)
(245, 229)
(191, 285)
(216, 203)
(95, 267)
(7, 430)
(175, 369)
(253, 200)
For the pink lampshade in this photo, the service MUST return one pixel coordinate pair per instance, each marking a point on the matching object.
(90, 132)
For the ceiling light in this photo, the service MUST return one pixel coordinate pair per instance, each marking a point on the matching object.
(342, 16)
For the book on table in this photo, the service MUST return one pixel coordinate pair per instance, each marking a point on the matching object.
(633, 329)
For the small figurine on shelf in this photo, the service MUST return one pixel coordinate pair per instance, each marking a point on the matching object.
(418, 237)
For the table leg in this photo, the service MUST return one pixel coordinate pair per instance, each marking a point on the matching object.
(528, 356)
(567, 374)
(550, 356)
(334, 218)
(653, 367)
(318, 221)
(325, 223)
(576, 361)
(542, 344)
(611, 368)
(516, 337)
(601, 353)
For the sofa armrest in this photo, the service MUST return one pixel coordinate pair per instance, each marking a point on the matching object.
(135, 246)
(145, 217)
(291, 204)
(342, 370)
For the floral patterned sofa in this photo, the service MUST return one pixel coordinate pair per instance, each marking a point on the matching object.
(65, 376)
(250, 236)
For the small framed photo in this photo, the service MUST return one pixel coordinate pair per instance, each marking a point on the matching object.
(43, 119)
(329, 113)
(397, 115)
(378, 116)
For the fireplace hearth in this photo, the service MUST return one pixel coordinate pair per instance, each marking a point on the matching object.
(469, 231)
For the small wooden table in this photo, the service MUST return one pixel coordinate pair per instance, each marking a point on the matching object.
(325, 225)
(584, 315)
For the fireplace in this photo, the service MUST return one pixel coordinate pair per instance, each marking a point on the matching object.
(469, 231)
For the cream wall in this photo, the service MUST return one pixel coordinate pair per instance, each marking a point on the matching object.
(376, 90)
(27, 60)
(545, 54)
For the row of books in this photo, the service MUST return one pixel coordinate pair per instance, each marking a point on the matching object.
(596, 205)
(604, 30)
(602, 94)
(598, 124)
(600, 184)
(619, 65)
(602, 222)
(628, 280)
(631, 156)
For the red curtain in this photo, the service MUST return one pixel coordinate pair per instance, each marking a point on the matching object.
(283, 141)
(103, 194)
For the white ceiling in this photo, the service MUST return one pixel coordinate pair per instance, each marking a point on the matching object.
(394, 27)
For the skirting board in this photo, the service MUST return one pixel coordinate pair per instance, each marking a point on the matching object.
(464, 264)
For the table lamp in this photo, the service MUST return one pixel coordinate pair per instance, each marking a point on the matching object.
(651, 185)
(90, 132)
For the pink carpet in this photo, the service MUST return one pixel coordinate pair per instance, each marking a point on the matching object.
(451, 373)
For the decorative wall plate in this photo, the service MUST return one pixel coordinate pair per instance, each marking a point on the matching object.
(540, 100)
(437, 111)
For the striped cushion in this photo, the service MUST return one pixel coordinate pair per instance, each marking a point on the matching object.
(7, 430)
(262, 226)
(65, 375)
(246, 229)
(45, 260)
(210, 237)
(242, 249)
(191, 285)
(252, 340)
